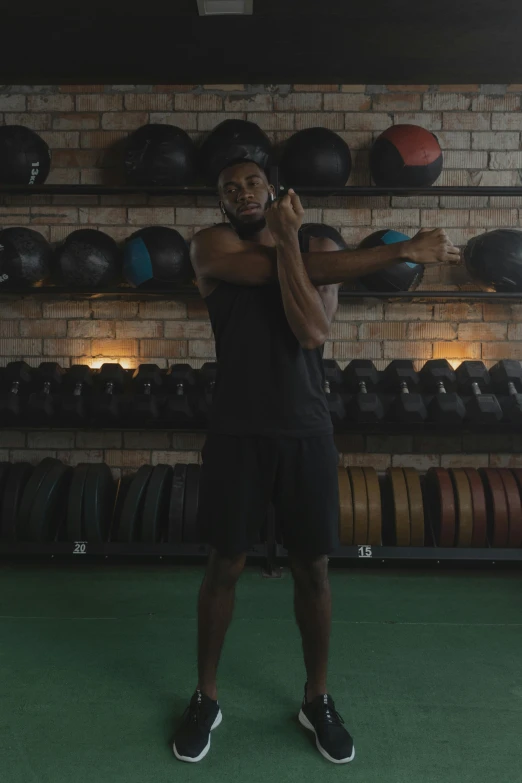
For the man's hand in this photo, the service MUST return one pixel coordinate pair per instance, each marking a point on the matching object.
(431, 246)
(284, 216)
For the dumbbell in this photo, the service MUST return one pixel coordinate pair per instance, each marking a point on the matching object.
(110, 382)
(78, 384)
(400, 377)
(473, 379)
(206, 382)
(17, 381)
(446, 407)
(180, 407)
(147, 385)
(362, 379)
(42, 405)
(333, 387)
(506, 378)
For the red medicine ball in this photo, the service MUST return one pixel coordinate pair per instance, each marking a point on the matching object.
(406, 156)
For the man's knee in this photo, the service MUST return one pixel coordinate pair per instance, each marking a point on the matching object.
(223, 571)
(309, 572)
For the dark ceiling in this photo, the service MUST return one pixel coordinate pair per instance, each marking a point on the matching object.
(285, 41)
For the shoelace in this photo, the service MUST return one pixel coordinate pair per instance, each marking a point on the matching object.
(193, 712)
(329, 717)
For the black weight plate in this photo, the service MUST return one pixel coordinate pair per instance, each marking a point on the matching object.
(74, 523)
(29, 494)
(190, 510)
(49, 510)
(17, 478)
(121, 493)
(156, 506)
(130, 520)
(4, 470)
(177, 500)
(98, 503)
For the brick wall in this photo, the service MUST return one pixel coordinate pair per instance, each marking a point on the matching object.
(479, 128)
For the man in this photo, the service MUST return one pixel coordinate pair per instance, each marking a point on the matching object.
(271, 438)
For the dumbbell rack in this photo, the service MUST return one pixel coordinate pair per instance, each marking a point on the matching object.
(271, 551)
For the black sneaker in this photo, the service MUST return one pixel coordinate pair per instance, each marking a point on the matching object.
(331, 738)
(192, 739)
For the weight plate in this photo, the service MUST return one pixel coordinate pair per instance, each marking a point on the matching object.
(98, 503)
(464, 505)
(345, 508)
(123, 486)
(29, 494)
(4, 470)
(478, 498)
(190, 510)
(496, 505)
(373, 493)
(360, 506)
(416, 506)
(130, 520)
(177, 499)
(74, 523)
(17, 478)
(441, 505)
(49, 510)
(401, 509)
(156, 506)
(514, 507)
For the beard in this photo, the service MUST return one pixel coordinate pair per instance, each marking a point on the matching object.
(247, 230)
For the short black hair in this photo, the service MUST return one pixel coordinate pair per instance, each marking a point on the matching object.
(239, 162)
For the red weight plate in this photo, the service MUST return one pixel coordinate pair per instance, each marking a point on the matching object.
(464, 501)
(480, 517)
(514, 507)
(496, 503)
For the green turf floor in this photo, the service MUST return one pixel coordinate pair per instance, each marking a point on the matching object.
(97, 663)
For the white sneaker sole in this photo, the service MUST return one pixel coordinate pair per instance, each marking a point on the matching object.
(303, 720)
(219, 718)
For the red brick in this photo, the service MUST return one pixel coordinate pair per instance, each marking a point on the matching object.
(407, 350)
(482, 332)
(139, 329)
(101, 139)
(366, 121)
(62, 103)
(496, 311)
(432, 331)
(354, 311)
(458, 311)
(421, 462)
(123, 348)
(46, 328)
(134, 458)
(297, 102)
(12, 347)
(357, 350)
(118, 310)
(197, 308)
(198, 103)
(496, 103)
(12, 102)
(378, 461)
(398, 102)
(188, 330)
(165, 310)
(63, 177)
(99, 102)
(432, 121)
(203, 349)
(114, 121)
(36, 122)
(90, 329)
(466, 121)
(147, 216)
(276, 121)
(54, 215)
(144, 102)
(456, 350)
(332, 120)
(67, 347)
(61, 139)
(444, 218)
(393, 330)
(108, 216)
(408, 311)
(496, 140)
(505, 460)
(446, 102)
(182, 119)
(464, 460)
(459, 88)
(12, 329)
(347, 102)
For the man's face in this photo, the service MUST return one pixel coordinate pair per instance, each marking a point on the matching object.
(245, 193)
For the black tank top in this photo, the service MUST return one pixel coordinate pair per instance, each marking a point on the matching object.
(266, 383)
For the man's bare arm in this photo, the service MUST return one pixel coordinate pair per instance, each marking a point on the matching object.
(220, 255)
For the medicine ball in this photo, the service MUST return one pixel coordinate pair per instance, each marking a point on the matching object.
(25, 158)
(156, 257)
(25, 258)
(233, 140)
(403, 276)
(321, 230)
(405, 156)
(160, 155)
(315, 157)
(496, 258)
(88, 259)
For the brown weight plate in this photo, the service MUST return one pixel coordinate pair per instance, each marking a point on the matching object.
(464, 502)
(441, 505)
(514, 507)
(517, 473)
(478, 498)
(373, 492)
(345, 508)
(496, 503)
(360, 506)
(416, 506)
(401, 507)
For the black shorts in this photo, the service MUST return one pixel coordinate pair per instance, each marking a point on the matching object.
(240, 476)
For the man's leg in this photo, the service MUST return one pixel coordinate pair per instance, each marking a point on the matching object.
(215, 609)
(313, 612)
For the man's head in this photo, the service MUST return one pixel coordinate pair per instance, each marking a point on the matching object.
(244, 194)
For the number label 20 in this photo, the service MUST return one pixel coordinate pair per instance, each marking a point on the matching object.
(80, 548)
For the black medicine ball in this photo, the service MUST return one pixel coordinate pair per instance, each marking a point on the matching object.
(156, 257)
(160, 155)
(25, 158)
(25, 258)
(321, 230)
(402, 276)
(406, 156)
(315, 157)
(233, 140)
(496, 258)
(88, 259)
